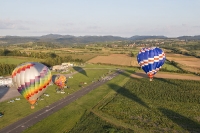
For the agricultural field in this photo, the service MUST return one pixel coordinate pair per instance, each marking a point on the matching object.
(127, 103)
(115, 59)
(124, 104)
(16, 60)
(186, 62)
(84, 56)
(164, 105)
(125, 60)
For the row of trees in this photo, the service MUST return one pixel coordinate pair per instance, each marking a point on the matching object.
(187, 53)
(180, 70)
(6, 69)
(50, 58)
(6, 52)
(58, 60)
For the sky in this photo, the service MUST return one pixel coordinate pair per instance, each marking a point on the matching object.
(125, 18)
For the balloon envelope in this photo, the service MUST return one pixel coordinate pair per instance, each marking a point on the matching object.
(151, 60)
(31, 80)
(59, 80)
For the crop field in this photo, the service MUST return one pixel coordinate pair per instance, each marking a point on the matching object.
(187, 62)
(164, 105)
(84, 56)
(115, 59)
(124, 104)
(124, 60)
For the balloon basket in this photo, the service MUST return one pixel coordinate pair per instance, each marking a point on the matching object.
(150, 79)
(32, 106)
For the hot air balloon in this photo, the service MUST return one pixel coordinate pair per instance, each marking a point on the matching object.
(60, 81)
(31, 80)
(151, 60)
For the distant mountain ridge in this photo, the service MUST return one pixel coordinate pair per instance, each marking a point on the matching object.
(197, 37)
(70, 39)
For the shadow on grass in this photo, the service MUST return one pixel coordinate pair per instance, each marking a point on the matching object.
(184, 122)
(143, 75)
(80, 70)
(140, 75)
(166, 80)
(3, 91)
(126, 73)
(123, 91)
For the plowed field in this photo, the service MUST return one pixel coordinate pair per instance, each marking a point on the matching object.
(115, 59)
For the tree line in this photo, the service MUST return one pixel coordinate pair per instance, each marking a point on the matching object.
(6, 69)
(190, 49)
(50, 59)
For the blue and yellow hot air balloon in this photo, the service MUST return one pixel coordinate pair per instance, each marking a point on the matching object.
(31, 80)
(151, 60)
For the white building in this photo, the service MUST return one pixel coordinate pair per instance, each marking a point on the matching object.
(62, 66)
(67, 65)
(56, 67)
(5, 81)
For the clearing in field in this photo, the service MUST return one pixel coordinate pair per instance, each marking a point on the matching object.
(115, 59)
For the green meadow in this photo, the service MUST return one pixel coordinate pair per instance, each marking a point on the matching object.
(129, 105)
(164, 105)
(124, 105)
(19, 109)
(16, 60)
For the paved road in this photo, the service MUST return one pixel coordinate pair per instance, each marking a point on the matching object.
(32, 119)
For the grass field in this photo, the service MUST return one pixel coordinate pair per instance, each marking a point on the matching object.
(124, 104)
(70, 115)
(16, 60)
(142, 106)
(19, 109)
(169, 67)
(130, 105)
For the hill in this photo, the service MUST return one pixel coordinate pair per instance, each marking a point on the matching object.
(70, 39)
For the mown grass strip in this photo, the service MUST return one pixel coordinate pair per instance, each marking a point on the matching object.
(70, 115)
(19, 109)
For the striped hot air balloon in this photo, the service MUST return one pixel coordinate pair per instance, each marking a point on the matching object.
(151, 60)
(31, 80)
(60, 81)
